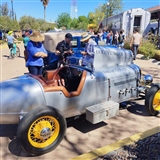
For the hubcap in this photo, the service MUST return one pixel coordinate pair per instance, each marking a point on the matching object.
(156, 101)
(43, 131)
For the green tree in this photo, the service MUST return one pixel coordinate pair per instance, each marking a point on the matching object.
(45, 26)
(91, 17)
(28, 22)
(74, 23)
(7, 23)
(82, 19)
(111, 7)
(4, 9)
(45, 4)
(82, 25)
(64, 20)
(96, 17)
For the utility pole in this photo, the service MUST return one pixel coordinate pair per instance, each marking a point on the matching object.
(12, 10)
(107, 13)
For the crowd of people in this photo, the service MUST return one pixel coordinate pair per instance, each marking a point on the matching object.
(34, 51)
(118, 39)
(110, 38)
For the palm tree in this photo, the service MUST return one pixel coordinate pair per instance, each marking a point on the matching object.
(45, 4)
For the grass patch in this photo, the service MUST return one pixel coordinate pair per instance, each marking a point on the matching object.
(2, 42)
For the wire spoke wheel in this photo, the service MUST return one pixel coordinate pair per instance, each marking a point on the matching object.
(43, 131)
(152, 100)
(156, 101)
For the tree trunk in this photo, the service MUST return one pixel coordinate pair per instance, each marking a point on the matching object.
(44, 13)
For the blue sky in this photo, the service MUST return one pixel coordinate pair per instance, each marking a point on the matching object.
(34, 8)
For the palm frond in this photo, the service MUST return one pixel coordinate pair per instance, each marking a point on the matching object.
(45, 2)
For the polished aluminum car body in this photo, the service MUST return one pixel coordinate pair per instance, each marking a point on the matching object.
(112, 77)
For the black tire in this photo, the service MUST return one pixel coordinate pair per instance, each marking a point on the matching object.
(149, 99)
(12, 55)
(41, 130)
(18, 52)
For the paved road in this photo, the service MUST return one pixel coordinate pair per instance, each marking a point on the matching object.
(81, 136)
(11, 68)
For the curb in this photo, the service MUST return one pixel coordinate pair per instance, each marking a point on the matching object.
(119, 144)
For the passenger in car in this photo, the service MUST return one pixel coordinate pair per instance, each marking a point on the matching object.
(88, 53)
(64, 48)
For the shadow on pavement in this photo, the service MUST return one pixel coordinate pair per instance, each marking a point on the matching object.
(155, 61)
(137, 109)
(82, 125)
(15, 148)
(15, 57)
(133, 107)
(7, 130)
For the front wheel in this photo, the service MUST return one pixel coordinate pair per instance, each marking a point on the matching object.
(41, 130)
(18, 51)
(152, 100)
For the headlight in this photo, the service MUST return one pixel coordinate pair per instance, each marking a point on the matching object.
(148, 79)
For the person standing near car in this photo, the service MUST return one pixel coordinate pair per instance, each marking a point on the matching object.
(64, 48)
(88, 53)
(26, 39)
(36, 53)
(116, 36)
(121, 40)
(135, 42)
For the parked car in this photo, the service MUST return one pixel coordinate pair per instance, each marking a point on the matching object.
(40, 105)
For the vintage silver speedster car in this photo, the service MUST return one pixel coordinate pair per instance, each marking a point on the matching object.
(41, 104)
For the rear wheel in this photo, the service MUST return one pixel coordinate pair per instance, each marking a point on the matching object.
(152, 100)
(41, 130)
(12, 55)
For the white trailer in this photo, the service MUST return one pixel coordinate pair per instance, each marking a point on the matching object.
(128, 20)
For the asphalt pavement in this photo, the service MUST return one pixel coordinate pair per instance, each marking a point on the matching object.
(81, 136)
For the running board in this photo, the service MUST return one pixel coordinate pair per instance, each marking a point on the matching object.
(103, 111)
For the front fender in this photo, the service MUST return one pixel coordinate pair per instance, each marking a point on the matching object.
(20, 95)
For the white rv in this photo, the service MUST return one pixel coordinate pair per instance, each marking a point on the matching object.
(128, 20)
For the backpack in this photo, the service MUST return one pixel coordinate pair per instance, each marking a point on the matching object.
(121, 38)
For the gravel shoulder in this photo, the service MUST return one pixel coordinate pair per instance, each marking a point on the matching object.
(145, 149)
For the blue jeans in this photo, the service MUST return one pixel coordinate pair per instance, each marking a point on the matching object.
(135, 49)
(35, 70)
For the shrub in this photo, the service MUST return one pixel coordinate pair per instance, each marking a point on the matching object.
(19, 39)
(147, 49)
(157, 55)
(127, 43)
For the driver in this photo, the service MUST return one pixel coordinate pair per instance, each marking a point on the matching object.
(64, 49)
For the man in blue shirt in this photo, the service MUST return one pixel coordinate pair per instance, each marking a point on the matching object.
(36, 53)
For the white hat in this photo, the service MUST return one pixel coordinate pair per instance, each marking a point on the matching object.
(85, 36)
